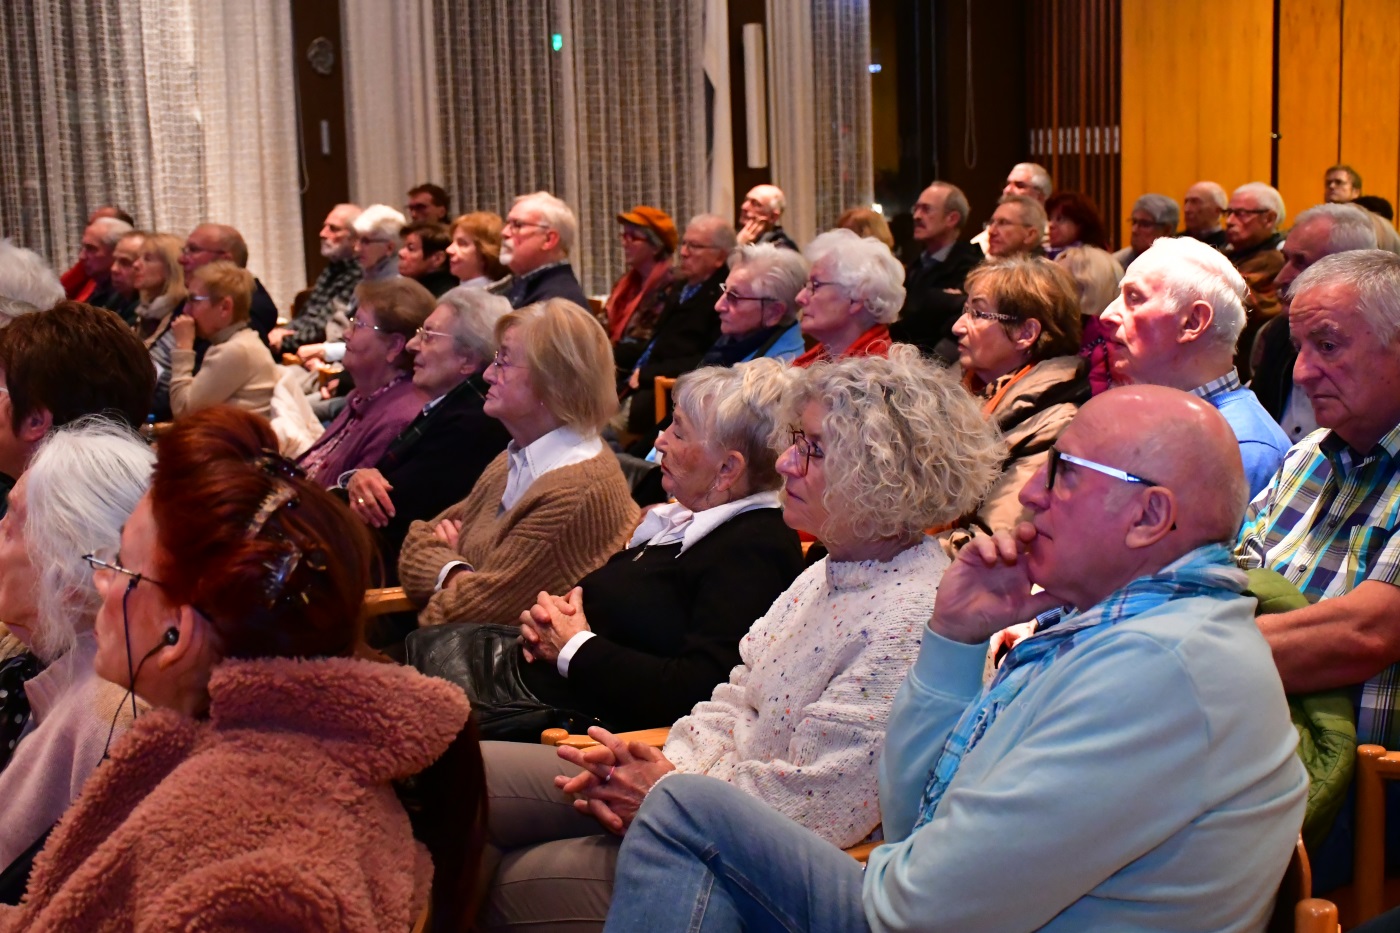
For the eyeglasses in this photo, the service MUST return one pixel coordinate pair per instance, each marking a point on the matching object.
(1056, 455)
(728, 294)
(980, 315)
(1139, 224)
(426, 336)
(189, 249)
(514, 226)
(1002, 222)
(691, 244)
(807, 450)
(105, 559)
(355, 325)
(198, 298)
(1245, 211)
(814, 284)
(502, 362)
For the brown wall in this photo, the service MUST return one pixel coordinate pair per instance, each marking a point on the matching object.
(319, 97)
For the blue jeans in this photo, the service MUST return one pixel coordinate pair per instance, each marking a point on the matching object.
(702, 856)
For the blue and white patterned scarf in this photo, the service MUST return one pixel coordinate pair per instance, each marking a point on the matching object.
(1207, 571)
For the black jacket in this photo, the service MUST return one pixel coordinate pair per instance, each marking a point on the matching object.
(262, 315)
(778, 237)
(930, 310)
(1273, 370)
(684, 331)
(557, 281)
(439, 282)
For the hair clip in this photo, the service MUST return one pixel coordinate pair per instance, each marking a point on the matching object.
(274, 464)
(280, 495)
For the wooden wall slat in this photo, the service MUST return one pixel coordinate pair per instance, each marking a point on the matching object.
(1309, 81)
(1370, 96)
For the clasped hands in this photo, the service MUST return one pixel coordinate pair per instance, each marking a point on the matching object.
(549, 624)
(987, 592)
(615, 778)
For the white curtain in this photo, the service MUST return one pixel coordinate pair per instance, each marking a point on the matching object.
(720, 176)
(792, 136)
(178, 111)
(391, 99)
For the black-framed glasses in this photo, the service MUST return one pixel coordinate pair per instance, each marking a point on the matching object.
(1244, 211)
(807, 450)
(813, 284)
(981, 314)
(728, 294)
(515, 226)
(1057, 455)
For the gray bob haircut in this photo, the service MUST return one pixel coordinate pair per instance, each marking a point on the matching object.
(554, 214)
(1373, 274)
(380, 221)
(1162, 209)
(475, 313)
(778, 273)
(27, 284)
(1351, 226)
(1268, 198)
(1194, 271)
(737, 408)
(81, 487)
(865, 267)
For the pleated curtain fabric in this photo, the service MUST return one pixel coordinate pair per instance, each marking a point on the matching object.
(178, 111)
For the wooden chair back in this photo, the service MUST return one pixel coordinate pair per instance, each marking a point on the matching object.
(662, 386)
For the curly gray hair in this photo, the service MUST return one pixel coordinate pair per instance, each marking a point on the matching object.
(907, 447)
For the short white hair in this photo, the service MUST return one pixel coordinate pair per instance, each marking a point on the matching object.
(1216, 192)
(1374, 274)
(554, 214)
(1351, 226)
(1194, 271)
(865, 267)
(1162, 209)
(719, 231)
(1040, 177)
(1267, 196)
(27, 284)
(109, 230)
(475, 313)
(379, 221)
(778, 273)
(81, 487)
(739, 408)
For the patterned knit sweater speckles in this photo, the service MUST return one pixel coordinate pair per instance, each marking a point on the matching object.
(801, 722)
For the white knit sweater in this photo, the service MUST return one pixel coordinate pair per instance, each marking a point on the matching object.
(801, 722)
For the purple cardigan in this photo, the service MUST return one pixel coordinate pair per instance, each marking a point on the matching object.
(368, 427)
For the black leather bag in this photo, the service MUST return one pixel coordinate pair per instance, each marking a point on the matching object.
(484, 660)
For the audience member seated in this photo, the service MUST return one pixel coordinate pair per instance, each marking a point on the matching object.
(867, 223)
(95, 256)
(933, 281)
(1328, 520)
(73, 500)
(1319, 231)
(378, 236)
(554, 506)
(852, 292)
(438, 458)
(1015, 227)
(1341, 184)
(160, 281)
(123, 276)
(236, 368)
(1175, 324)
(258, 793)
(1154, 216)
(1028, 180)
(538, 235)
(1252, 222)
(384, 399)
(1096, 273)
(76, 282)
(1376, 205)
(1386, 236)
(649, 241)
(429, 204)
(1073, 220)
(1018, 344)
(423, 257)
(688, 325)
(474, 255)
(649, 634)
(1201, 209)
(761, 217)
(27, 284)
(758, 306)
(334, 286)
(881, 449)
(214, 242)
(59, 365)
(1148, 662)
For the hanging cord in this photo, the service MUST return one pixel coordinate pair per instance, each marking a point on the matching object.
(970, 122)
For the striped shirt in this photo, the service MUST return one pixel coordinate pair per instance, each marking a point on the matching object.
(1327, 522)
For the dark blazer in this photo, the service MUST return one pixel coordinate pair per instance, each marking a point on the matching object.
(439, 282)
(778, 237)
(929, 310)
(543, 284)
(668, 628)
(435, 462)
(262, 315)
(684, 331)
(1273, 372)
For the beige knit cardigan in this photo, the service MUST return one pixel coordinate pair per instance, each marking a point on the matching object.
(568, 523)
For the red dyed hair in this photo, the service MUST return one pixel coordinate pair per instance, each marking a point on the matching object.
(1080, 210)
(207, 488)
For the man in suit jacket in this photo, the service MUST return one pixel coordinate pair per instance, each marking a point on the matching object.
(536, 239)
(933, 282)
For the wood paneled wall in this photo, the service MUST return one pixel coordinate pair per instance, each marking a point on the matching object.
(1197, 95)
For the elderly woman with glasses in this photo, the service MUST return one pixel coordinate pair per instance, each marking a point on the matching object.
(58, 715)
(384, 399)
(258, 793)
(854, 291)
(439, 456)
(758, 306)
(236, 368)
(1018, 344)
(550, 509)
(880, 449)
(378, 236)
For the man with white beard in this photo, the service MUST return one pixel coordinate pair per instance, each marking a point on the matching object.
(334, 287)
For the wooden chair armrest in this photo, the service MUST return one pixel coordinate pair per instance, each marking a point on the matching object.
(861, 850)
(1315, 915)
(653, 737)
(381, 602)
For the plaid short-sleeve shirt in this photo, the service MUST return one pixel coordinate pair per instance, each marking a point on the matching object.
(1327, 522)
